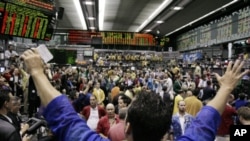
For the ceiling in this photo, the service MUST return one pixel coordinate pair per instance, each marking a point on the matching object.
(128, 15)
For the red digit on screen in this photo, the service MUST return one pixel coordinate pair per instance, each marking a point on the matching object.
(4, 22)
(25, 25)
(37, 27)
(13, 21)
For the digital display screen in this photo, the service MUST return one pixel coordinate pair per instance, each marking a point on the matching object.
(44, 5)
(62, 56)
(25, 22)
(224, 29)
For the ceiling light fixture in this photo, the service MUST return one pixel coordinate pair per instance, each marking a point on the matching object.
(177, 8)
(91, 18)
(89, 2)
(154, 14)
(159, 22)
(204, 16)
(148, 30)
(91, 27)
(80, 13)
(101, 13)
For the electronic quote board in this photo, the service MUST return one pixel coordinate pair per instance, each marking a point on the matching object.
(227, 28)
(21, 21)
(40, 5)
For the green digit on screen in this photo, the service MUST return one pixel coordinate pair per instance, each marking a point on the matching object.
(28, 26)
(44, 28)
(17, 23)
(8, 23)
(33, 25)
(21, 24)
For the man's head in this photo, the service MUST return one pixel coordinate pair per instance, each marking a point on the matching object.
(5, 100)
(110, 109)
(148, 118)
(10, 47)
(15, 104)
(196, 92)
(93, 101)
(182, 106)
(16, 71)
(123, 101)
(97, 85)
(123, 113)
(164, 88)
(189, 93)
(244, 115)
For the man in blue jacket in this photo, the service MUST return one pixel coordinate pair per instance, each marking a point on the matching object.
(147, 119)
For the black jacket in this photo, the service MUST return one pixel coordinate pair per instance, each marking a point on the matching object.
(8, 132)
(16, 120)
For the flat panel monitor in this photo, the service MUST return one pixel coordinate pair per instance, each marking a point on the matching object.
(25, 22)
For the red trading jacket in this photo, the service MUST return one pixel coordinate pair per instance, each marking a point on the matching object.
(86, 112)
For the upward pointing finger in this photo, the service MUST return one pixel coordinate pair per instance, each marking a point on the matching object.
(238, 69)
(236, 65)
(244, 73)
(229, 66)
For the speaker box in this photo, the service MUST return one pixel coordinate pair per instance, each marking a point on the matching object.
(60, 13)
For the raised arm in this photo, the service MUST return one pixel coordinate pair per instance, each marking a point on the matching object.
(208, 119)
(35, 67)
(62, 119)
(227, 83)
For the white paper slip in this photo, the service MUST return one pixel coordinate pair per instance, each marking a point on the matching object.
(44, 53)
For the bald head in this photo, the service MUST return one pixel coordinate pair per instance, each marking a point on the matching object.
(110, 109)
(110, 105)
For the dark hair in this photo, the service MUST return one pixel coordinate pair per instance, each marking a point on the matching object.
(126, 99)
(149, 117)
(244, 112)
(209, 83)
(4, 96)
(115, 99)
(10, 45)
(242, 96)
(164, 88)
(196, 92)
(122, 87)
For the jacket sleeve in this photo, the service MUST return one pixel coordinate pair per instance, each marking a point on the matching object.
(205, 125)
(101, 112)
(65, 124)
(99, 127)
(15, 136)
(85, 112)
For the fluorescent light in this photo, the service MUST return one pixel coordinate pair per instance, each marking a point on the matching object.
(148, 30)
(89, 2)
(91, 18)
(177, 8)
(101, 13)
(159, 22)
(91, 27)
(154, 14)
(80, 13)
(202, 17)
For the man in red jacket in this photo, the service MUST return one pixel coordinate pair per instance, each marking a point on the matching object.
(106, 122)
(93, 113)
